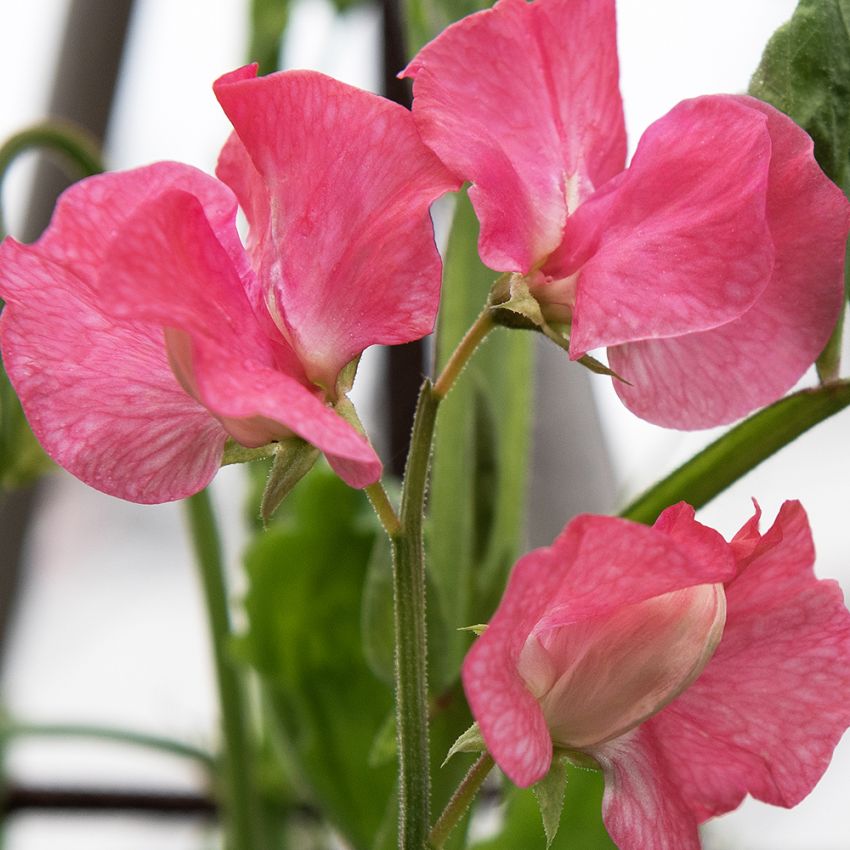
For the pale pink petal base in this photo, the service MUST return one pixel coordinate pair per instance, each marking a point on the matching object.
(512, 99)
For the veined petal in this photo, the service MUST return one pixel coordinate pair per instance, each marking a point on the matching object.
(523, 100)
(594, 568)
(338, 189)
(761, 354)
(97, 390)
(680, 242)
(168, 269)
(770, 707)
(642, 807)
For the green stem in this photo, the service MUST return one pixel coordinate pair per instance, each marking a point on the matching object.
(460, 356)
(105, 733)
(73, 143)
(411, 638)
(383, 508)
(461, 800)
(241, 797)
(411, 645)
(741, 449)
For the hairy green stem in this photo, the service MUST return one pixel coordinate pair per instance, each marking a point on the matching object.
(107, 733)
(411, 639)
(461, 800)
(241, 798)
(741, 449)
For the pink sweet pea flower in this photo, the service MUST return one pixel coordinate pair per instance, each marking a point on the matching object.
(692, 671)
(140, 334)
(715, 259)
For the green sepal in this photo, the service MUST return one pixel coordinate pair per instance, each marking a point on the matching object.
(237, 453)
(514, 306)
(478, 629)
(550, 793)
(469, 742)
(293, 459)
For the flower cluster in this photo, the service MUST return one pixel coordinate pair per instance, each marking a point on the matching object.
(140, 333)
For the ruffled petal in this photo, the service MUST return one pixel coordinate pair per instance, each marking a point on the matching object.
(513, 100)
(770, 707)
(596, 566)
(97, 390)
(341, 185)
(169, 269)
(760, 355)
(642, 807)
(680, 242)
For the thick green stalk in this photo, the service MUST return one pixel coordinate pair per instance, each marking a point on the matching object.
(741, 449)
(241, 799)
(411, 644)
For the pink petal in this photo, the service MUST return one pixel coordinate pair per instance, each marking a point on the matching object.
(338, 197)
(760, 355)
(768, 710)
(596, 566)
(98, 392)
(169, 269)
(516, 100)
(680, 242)
(642, 807)
(608, 674)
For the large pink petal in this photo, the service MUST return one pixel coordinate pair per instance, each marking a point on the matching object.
(169, 269)
(523, 100)
(768, 710)
(642, 807)
(98, 391)
(340, 183)
(596, 566)
(760, 355)
(680, 242)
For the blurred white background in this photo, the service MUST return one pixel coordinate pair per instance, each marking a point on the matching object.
(111, 628)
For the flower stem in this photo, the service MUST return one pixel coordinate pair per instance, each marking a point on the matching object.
(383, 508)
(460, 801)
(411, 648)
(411, 644)
(238, 780)
(460, 356)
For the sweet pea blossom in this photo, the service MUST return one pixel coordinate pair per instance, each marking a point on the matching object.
(139, 333)
(715, 259)
(691, 670)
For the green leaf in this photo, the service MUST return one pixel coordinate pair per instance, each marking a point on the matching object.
(740, 449)
(306, 575)
(479, 472)
(581, 826)
(549, 793)
(805, 72)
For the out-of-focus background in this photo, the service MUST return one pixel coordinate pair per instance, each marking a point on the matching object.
(109, 628)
